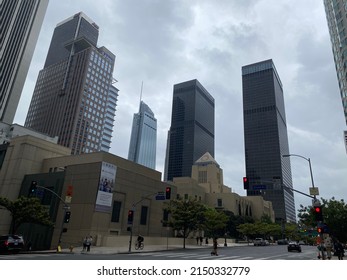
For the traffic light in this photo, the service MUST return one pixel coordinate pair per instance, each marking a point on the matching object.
(130, 217)
(67, 217)
(167, 193)
(319, 230)
(33, 187)
(318, 213)
(245, 183)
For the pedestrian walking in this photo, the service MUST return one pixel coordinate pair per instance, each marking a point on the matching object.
(89, 243)
(85, 243)
(201, 239)
(328, 243)
(215, 246)
(339, 250)
(197, 240)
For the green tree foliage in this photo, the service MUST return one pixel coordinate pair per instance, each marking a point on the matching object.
(260, 229)
(186, 216)
(234, 221)
(26, 210)
(334, 214)
(215, 222)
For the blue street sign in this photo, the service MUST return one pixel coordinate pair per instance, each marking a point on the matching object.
(259, 187)
(160, 197)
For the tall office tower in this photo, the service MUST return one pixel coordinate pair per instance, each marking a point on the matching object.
(73, 91)
(191, 134)
(337, 23)
(143, 141)
(20, 23)
(111, 105)
(266, 139)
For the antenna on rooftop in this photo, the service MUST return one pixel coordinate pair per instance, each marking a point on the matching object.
(141, 91)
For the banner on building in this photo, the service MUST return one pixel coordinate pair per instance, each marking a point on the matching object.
(106, 187)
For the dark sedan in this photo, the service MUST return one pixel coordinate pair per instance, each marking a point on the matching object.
(11, 243)
(294, 246)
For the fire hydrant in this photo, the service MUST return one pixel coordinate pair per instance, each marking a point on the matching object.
(71, 248)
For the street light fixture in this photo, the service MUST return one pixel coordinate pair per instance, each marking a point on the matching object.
(309, 163)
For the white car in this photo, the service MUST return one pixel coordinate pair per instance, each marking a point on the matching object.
(260, 242)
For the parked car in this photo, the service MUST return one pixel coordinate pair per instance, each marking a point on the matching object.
(11, 243)
(282, 242)
(294, 246)
(260, 242)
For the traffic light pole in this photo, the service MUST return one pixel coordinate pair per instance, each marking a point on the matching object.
(65, 207)
(132, 224)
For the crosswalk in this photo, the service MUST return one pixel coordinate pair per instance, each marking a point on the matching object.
(197, 256)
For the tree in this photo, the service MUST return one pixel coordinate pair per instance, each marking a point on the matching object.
(186, 216)
(214, 222)
(234, 221)
(26, 210)
(334, 214)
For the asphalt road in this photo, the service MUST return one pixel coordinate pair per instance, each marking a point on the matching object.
(271, 252)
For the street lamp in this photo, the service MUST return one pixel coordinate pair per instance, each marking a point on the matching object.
(309, 163)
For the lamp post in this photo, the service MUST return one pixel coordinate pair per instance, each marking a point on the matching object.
(309, 163)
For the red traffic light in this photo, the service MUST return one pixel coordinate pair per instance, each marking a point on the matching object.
(167, 193)
(130, 217)
(245, 183)
(320, 230)
(318, 213)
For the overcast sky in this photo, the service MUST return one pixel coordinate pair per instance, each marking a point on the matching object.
(166, 42)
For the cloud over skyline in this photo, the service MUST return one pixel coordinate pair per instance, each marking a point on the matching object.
(166, 42)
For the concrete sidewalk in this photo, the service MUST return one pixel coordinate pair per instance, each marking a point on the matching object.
(147, 248)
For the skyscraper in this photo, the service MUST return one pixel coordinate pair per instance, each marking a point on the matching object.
(111, 104)
(20, 26)
(191, 134)
(143, 141)
(266, 139)
(73, 93)
(337, 23)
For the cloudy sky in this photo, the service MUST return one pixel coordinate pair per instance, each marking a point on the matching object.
(166, 42)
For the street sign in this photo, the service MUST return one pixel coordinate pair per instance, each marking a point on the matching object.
(314, 191)
(160, 197)
(259, 187)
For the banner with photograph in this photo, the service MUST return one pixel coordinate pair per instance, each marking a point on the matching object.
(105, 188)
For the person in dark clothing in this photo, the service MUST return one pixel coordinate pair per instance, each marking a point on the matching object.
(339, 250)
(215, 246)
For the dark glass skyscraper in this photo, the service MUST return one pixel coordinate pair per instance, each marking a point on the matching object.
(20, 24)
(74, 98)
(266, 139)
(192, 128)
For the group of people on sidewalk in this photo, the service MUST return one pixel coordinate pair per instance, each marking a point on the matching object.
(329, 246)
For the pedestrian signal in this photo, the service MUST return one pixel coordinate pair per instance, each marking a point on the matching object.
(33, 187)
(67, 217)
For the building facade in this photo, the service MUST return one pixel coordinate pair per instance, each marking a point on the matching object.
(111, 105)
(72, 95)
(143, 141)
(100, 189)
(336, 14)
(192, 129)
(266, 139)
(20, 26)
(206, 185)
